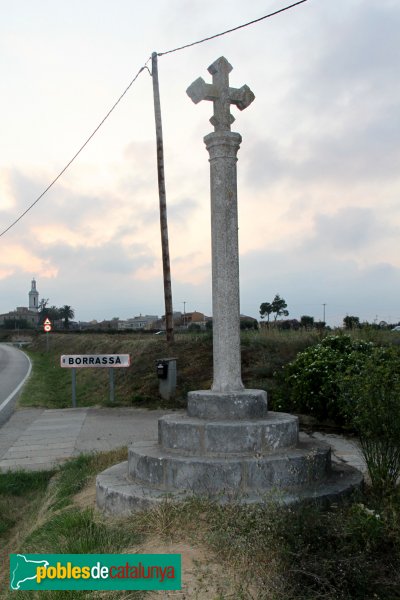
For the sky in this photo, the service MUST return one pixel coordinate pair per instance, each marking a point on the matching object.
(318, 167)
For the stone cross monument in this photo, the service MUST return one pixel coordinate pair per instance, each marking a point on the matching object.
(223, 146)
(228, 445)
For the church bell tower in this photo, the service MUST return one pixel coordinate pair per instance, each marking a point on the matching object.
(33, 297)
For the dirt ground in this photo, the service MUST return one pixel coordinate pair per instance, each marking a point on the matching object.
(203, 578)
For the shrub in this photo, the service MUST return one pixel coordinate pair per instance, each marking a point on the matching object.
(311, 383)
(371, 402)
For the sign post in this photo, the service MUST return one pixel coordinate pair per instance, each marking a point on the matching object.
(73, 388)
(110, 361)
(111, 380)
(47, 329)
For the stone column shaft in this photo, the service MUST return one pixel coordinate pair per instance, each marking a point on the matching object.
(223, 147)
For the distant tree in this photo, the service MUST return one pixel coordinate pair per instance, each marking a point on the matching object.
(54, 313)
(286, 324)
(42, 310)
(307, 322)
(248, 324)
(47, 312)
(66, 313)
(266, 310)
(279, 307)
(16, 323)
(42, 304)
(351, 322)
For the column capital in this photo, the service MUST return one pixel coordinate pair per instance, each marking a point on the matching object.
(223, 144)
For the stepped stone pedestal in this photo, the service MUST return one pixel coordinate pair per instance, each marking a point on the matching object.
(235, 451)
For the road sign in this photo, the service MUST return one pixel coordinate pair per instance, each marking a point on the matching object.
(95, 360)
(47, 325)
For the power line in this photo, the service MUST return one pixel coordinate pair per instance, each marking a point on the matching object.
(212, 37)
(78, 152)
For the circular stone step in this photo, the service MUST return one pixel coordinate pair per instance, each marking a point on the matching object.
(151, 465)
(117, 495)
(244, 404)
(195, 436)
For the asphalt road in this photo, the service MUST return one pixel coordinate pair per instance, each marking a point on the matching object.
(15, 367)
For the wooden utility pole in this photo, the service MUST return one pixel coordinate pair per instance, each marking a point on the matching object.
(169, 322)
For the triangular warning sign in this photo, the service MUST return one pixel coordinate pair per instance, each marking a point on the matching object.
(47, 321)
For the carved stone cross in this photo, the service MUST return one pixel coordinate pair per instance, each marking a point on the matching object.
(220, 94)
(223, 145)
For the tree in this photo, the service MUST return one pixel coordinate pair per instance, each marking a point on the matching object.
(66, 313)
(42, 304)
(48, 312)
(279, 307)
(307, 322)
(351, 322)
(266, 310)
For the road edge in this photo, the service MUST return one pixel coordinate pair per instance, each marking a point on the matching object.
(7, 406)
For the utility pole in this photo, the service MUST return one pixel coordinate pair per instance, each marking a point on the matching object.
(169, 322)
(184, 312)
(324, 313)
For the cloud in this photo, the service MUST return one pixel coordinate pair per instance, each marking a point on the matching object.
(182, 210)
(349, 229)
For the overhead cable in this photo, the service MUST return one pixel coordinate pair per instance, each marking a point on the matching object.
(77, 153)
(212, 37)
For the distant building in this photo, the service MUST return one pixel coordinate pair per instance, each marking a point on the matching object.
(194, 317)
(29, 313)
(184, 320)
(140, 322)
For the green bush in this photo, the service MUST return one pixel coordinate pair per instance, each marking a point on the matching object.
(311, 383)
(371, 402)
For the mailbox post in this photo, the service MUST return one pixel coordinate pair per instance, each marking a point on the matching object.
(166, 373)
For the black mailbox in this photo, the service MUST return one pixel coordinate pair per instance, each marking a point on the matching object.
(162, 369)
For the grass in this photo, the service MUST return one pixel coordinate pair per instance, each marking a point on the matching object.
(43, 517)
(21, 483)
(50, 385)
(263, 552)
(77, 472)
(263, 353)
(18, 493)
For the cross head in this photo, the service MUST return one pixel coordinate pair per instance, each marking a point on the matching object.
(220, 94)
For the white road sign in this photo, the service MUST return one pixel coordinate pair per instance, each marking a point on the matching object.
(95, 360)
